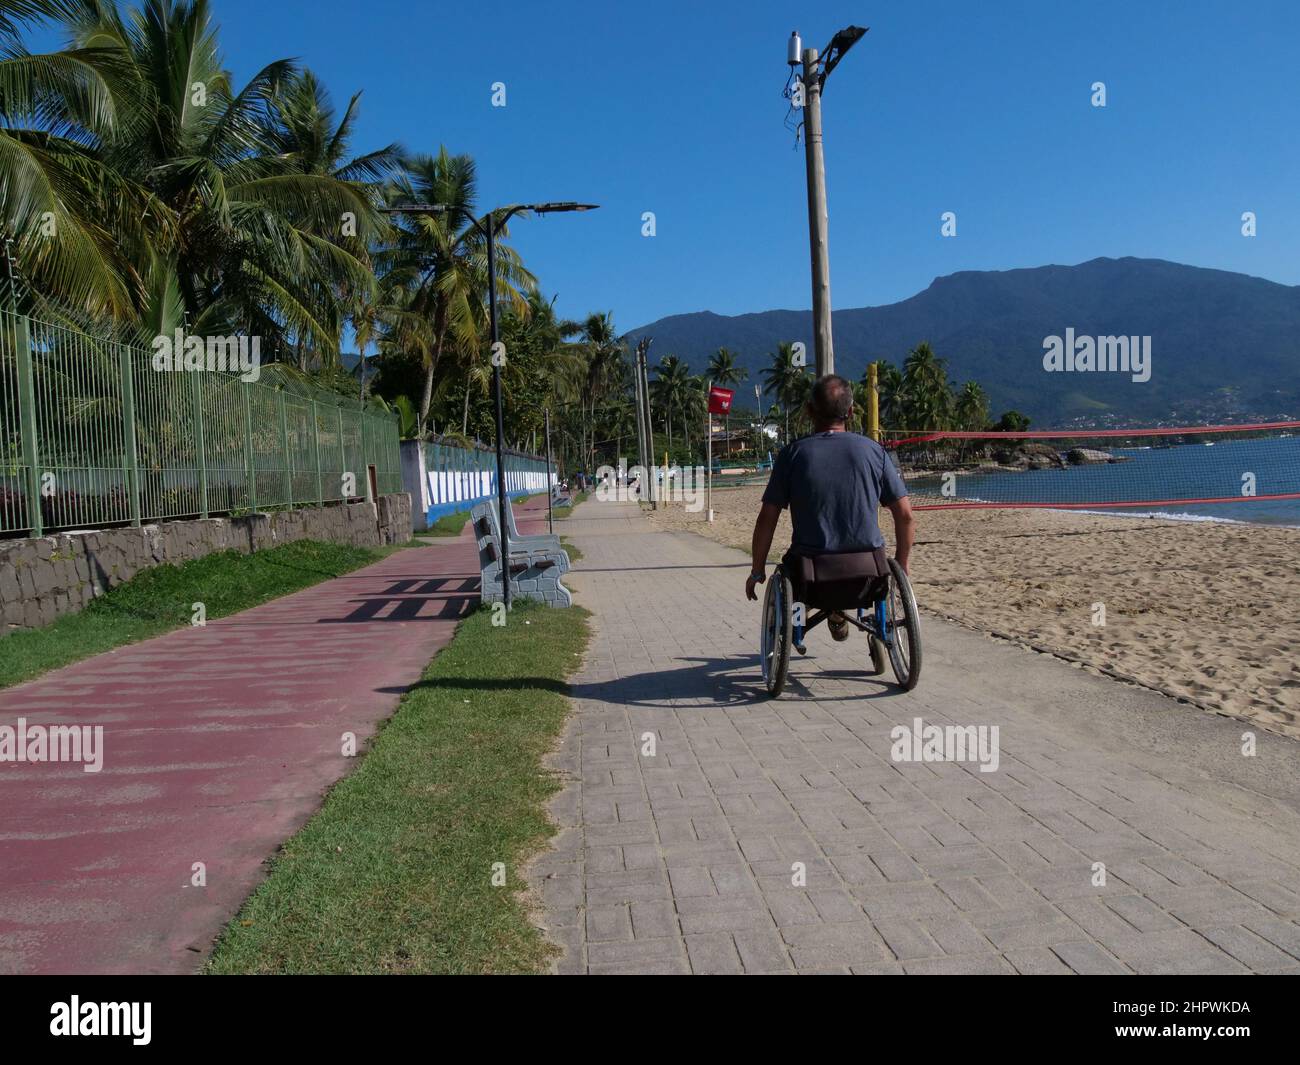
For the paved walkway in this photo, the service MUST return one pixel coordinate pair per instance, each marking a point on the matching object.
(219, 744)
(683, 861)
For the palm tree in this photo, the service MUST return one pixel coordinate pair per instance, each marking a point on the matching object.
(604, 370)
(800, 393)
(618, 420)
(304, 127)
(695, 406)
(724, 371)
(782, 380)
(970, 412)
(149, 162)
(439, 263)
(929, 399)
(669, 388)
(971, 409)
(72, 218)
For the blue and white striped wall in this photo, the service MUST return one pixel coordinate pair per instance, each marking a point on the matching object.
(445, 478)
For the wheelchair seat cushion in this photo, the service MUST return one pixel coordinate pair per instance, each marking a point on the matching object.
(840, 581)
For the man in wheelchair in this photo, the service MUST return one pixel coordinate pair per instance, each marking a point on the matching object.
(833, 481)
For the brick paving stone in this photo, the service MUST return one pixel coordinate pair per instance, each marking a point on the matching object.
(1037, 961)
(1087, 959)
(683, 862)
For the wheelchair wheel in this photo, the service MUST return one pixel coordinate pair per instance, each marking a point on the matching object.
(776, 635)
(904, 628)
(878, 656)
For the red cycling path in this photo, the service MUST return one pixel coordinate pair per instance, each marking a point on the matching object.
(218, 743)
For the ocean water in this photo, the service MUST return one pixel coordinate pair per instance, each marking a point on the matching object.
(1185, 471)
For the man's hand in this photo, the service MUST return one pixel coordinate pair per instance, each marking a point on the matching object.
(904, 531)
(764, 526)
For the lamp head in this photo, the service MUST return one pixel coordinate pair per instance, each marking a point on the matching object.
(794, 50)
(566, 205)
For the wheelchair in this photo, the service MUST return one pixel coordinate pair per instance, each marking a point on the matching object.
(867, 588)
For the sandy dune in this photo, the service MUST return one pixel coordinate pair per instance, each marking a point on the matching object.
(1204, 611)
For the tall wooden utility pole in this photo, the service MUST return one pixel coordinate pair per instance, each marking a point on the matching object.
(818, 221)
(817, 68)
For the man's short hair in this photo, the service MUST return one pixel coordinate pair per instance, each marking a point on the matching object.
(832, 399)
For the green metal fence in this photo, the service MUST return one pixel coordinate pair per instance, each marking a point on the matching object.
(91, 434)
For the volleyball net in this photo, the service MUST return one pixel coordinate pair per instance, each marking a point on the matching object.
(1200, 467)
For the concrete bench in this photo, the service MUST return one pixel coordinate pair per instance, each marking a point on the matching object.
(530, 541)
(533, 574)
(560, 498)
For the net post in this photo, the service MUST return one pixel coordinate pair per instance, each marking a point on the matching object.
(873, 402)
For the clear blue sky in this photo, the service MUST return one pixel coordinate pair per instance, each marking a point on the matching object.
(982, 109)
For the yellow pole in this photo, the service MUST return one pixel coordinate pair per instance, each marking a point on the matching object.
(873, 411)
(873, 403)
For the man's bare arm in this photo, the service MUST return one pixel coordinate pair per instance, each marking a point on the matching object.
(904, 530)
(764, 530)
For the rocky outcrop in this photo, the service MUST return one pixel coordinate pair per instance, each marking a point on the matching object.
(1029, 455)
(1087, 456)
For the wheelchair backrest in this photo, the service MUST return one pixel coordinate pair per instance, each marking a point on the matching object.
(842, 581)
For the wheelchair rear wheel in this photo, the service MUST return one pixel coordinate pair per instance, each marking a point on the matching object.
(904, 628)
(777, 635)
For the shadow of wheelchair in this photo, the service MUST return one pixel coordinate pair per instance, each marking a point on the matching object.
(712, 683)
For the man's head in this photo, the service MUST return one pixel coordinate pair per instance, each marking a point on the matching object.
(831, 402)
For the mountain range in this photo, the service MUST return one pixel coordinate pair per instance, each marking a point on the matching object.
(1224, 346)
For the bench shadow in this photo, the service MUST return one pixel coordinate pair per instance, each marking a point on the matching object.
(414, 599)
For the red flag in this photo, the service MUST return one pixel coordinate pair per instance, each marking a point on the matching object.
(720, 399)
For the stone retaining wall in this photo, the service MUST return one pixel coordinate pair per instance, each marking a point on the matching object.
(44, 577)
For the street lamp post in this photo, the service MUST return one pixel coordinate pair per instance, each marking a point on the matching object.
(492, 224)
(817, 67)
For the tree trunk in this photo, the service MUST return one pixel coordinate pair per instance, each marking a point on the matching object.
(464, 424)
(426, 399)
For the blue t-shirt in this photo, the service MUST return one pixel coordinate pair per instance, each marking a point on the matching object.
(833, 484)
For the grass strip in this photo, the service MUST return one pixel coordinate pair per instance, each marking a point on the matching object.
(448, 524)
(567, 512)
(394, 874)
(162, 598)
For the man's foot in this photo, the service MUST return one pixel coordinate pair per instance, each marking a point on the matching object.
(839, 626)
